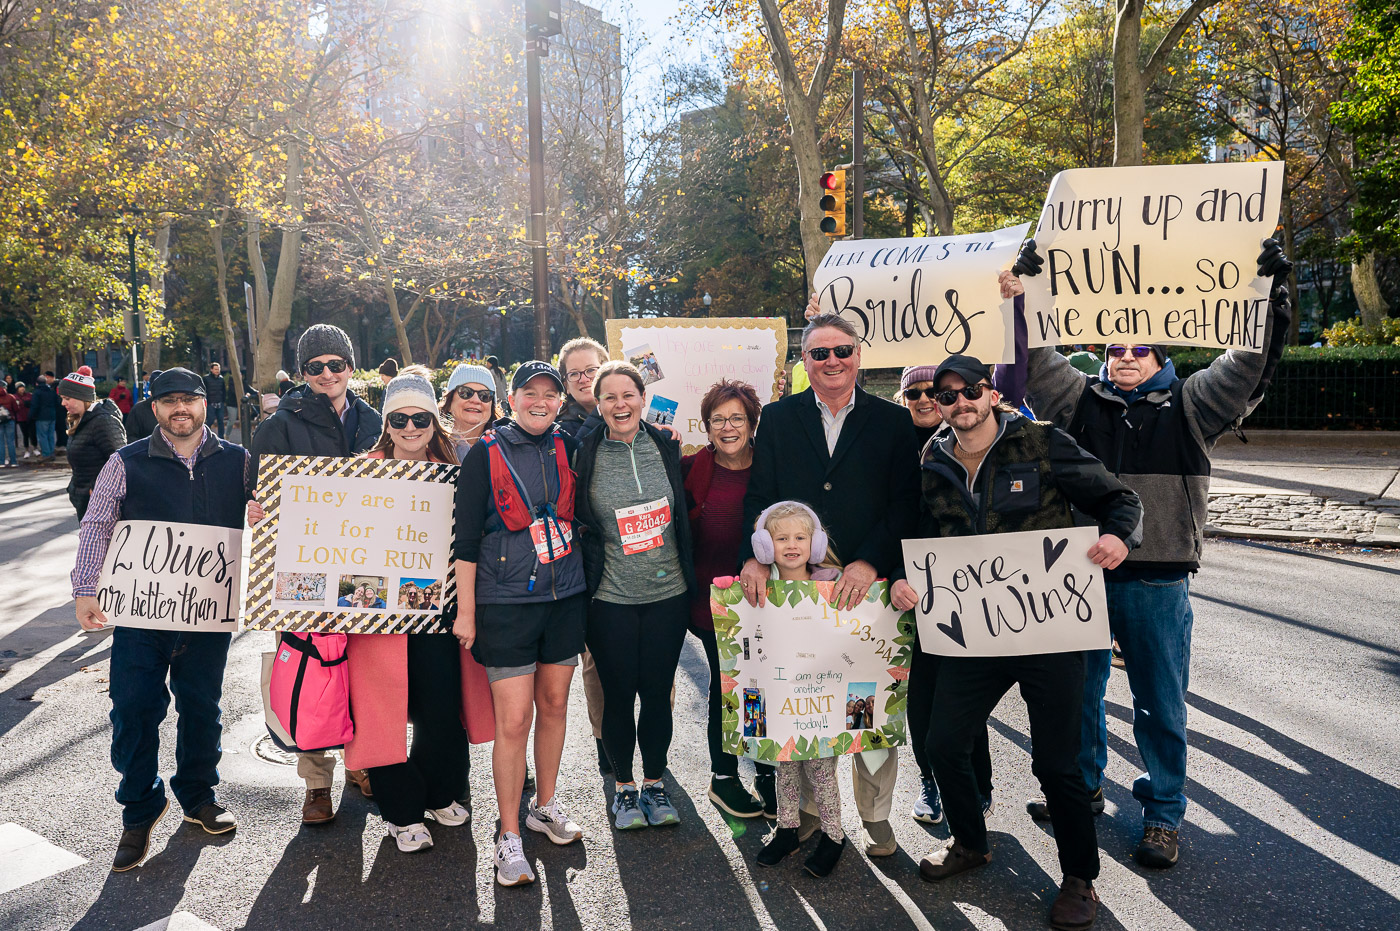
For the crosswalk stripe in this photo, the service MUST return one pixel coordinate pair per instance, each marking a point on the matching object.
(25, 857)
(180, 921)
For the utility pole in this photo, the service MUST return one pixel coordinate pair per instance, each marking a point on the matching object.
(858, 153)
(541, 22)
(135, 316)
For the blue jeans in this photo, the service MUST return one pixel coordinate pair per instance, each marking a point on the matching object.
(141, 660)
(1152, 623)
(7, 443)
(216, 416)
(45, 430)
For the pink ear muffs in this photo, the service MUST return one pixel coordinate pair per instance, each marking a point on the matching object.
(762, 540)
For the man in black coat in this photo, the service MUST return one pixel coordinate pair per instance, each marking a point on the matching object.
(854, 458)
(215, 393)
(320, 418)
(141, 421)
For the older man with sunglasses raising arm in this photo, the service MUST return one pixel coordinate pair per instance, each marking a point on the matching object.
(1155, 432)
(321, 418)
(854, 459)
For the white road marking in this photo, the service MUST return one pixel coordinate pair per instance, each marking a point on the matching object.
(25, 857)
(180, 921)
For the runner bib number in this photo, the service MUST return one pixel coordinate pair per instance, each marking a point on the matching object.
(546, 536)
(642, 525)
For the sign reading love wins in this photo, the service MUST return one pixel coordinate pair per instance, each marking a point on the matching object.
(801, 680)
(1008, 594)
(171, 576)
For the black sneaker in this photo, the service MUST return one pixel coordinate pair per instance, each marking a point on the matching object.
(214, 818)
(1157, 850)
(823, 859)
(604, 764)
(1039, 810)
(783, 842)
(730, 795)
(766, 786)
(134, 842)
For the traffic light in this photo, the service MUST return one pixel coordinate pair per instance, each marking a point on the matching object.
(833, 203)
(542, 18)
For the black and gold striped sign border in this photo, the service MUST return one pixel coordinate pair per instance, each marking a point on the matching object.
(259, 612)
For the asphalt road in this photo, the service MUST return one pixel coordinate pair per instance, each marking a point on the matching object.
(1294, 791)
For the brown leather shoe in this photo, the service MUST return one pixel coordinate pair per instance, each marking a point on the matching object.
(1076, 907)
(359, 778)
(1158, 848)
(950, 860)
(317, 808)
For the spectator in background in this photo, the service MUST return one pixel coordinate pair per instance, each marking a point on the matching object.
(469, 404)
(916, 392)
(9, 384)
(1084, 359)
(121, 396)
(24, 421)
(141, 422)
(94, 431)
(215, 391)
(9, 417)
(284, 382)
(43, 410)
(579, 361)
(387, 370)
(498, 374)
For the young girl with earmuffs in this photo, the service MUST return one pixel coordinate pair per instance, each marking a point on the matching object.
(789, 539)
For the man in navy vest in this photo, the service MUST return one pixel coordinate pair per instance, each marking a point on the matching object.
(181, 473)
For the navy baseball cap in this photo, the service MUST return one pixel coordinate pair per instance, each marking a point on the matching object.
(176, 381)
(970, 368)
(532, 369)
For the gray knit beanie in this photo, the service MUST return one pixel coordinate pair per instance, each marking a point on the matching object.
(324, 339)
(408, 390)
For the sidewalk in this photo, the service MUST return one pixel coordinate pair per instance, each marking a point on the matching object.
(1332, 487)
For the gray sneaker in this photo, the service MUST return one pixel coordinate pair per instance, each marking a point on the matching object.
(657, 805)
(512, 869)
(551, 821)
(626, 813)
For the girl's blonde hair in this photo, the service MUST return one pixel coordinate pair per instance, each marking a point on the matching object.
(788, 510)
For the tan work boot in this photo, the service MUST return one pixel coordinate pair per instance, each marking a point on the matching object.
(359, 778)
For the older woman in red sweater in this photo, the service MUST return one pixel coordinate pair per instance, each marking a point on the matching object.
(716, 479)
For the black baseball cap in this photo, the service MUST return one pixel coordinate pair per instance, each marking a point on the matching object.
(529, 370)
(970, 368)
(176, 381)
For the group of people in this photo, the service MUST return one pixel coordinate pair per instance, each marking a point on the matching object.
(28, 420)
(586, 540)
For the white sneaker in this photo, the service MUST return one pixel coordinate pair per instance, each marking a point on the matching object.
(551, 821)
(452, 815)
(411, 839)
(512, 869)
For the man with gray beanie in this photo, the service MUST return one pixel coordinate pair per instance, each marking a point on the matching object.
(320, 418)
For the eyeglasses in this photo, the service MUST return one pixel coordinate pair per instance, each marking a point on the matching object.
(583, 373)
(1139, 352)
(842, 352)
(912, 394)
(188, 400)
(422, 420)
(465, 393)
(335, 365)
(950, 397)
(733, 420)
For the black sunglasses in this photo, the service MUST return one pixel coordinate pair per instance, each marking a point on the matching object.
(950, 397)
(422, 420)
(912, 394)
(466, 393)
(842, 352)
(335, 365)
(1139, 352)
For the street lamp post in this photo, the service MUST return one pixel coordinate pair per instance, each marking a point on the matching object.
(541, 22)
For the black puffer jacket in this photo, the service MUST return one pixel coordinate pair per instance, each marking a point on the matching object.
(141, 421)
(305, 424)
(576, 420)
(98, 435)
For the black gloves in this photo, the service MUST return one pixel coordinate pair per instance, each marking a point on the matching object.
(1273, 263)
(1029, 262)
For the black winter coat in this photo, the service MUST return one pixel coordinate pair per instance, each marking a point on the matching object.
(99, 434)
(589, 525)
(215, 388)
(43, 405)
(140, 422)
(305, 424)
(866, 493)
(576, 421)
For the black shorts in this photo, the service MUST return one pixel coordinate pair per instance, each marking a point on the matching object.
(537, 632)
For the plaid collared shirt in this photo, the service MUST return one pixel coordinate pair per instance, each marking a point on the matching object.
(104, 510)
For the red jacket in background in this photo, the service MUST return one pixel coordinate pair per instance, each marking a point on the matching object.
(121, 396)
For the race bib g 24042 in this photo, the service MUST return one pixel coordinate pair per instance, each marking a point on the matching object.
(553, 539)
(642, 525)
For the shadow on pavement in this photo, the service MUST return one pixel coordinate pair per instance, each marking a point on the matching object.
(161, 879)
(46, 630)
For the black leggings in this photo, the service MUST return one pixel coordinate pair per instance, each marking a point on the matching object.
(635, 649)
(721, 763)
(435, 774)
(29, 434)
(923, 680)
